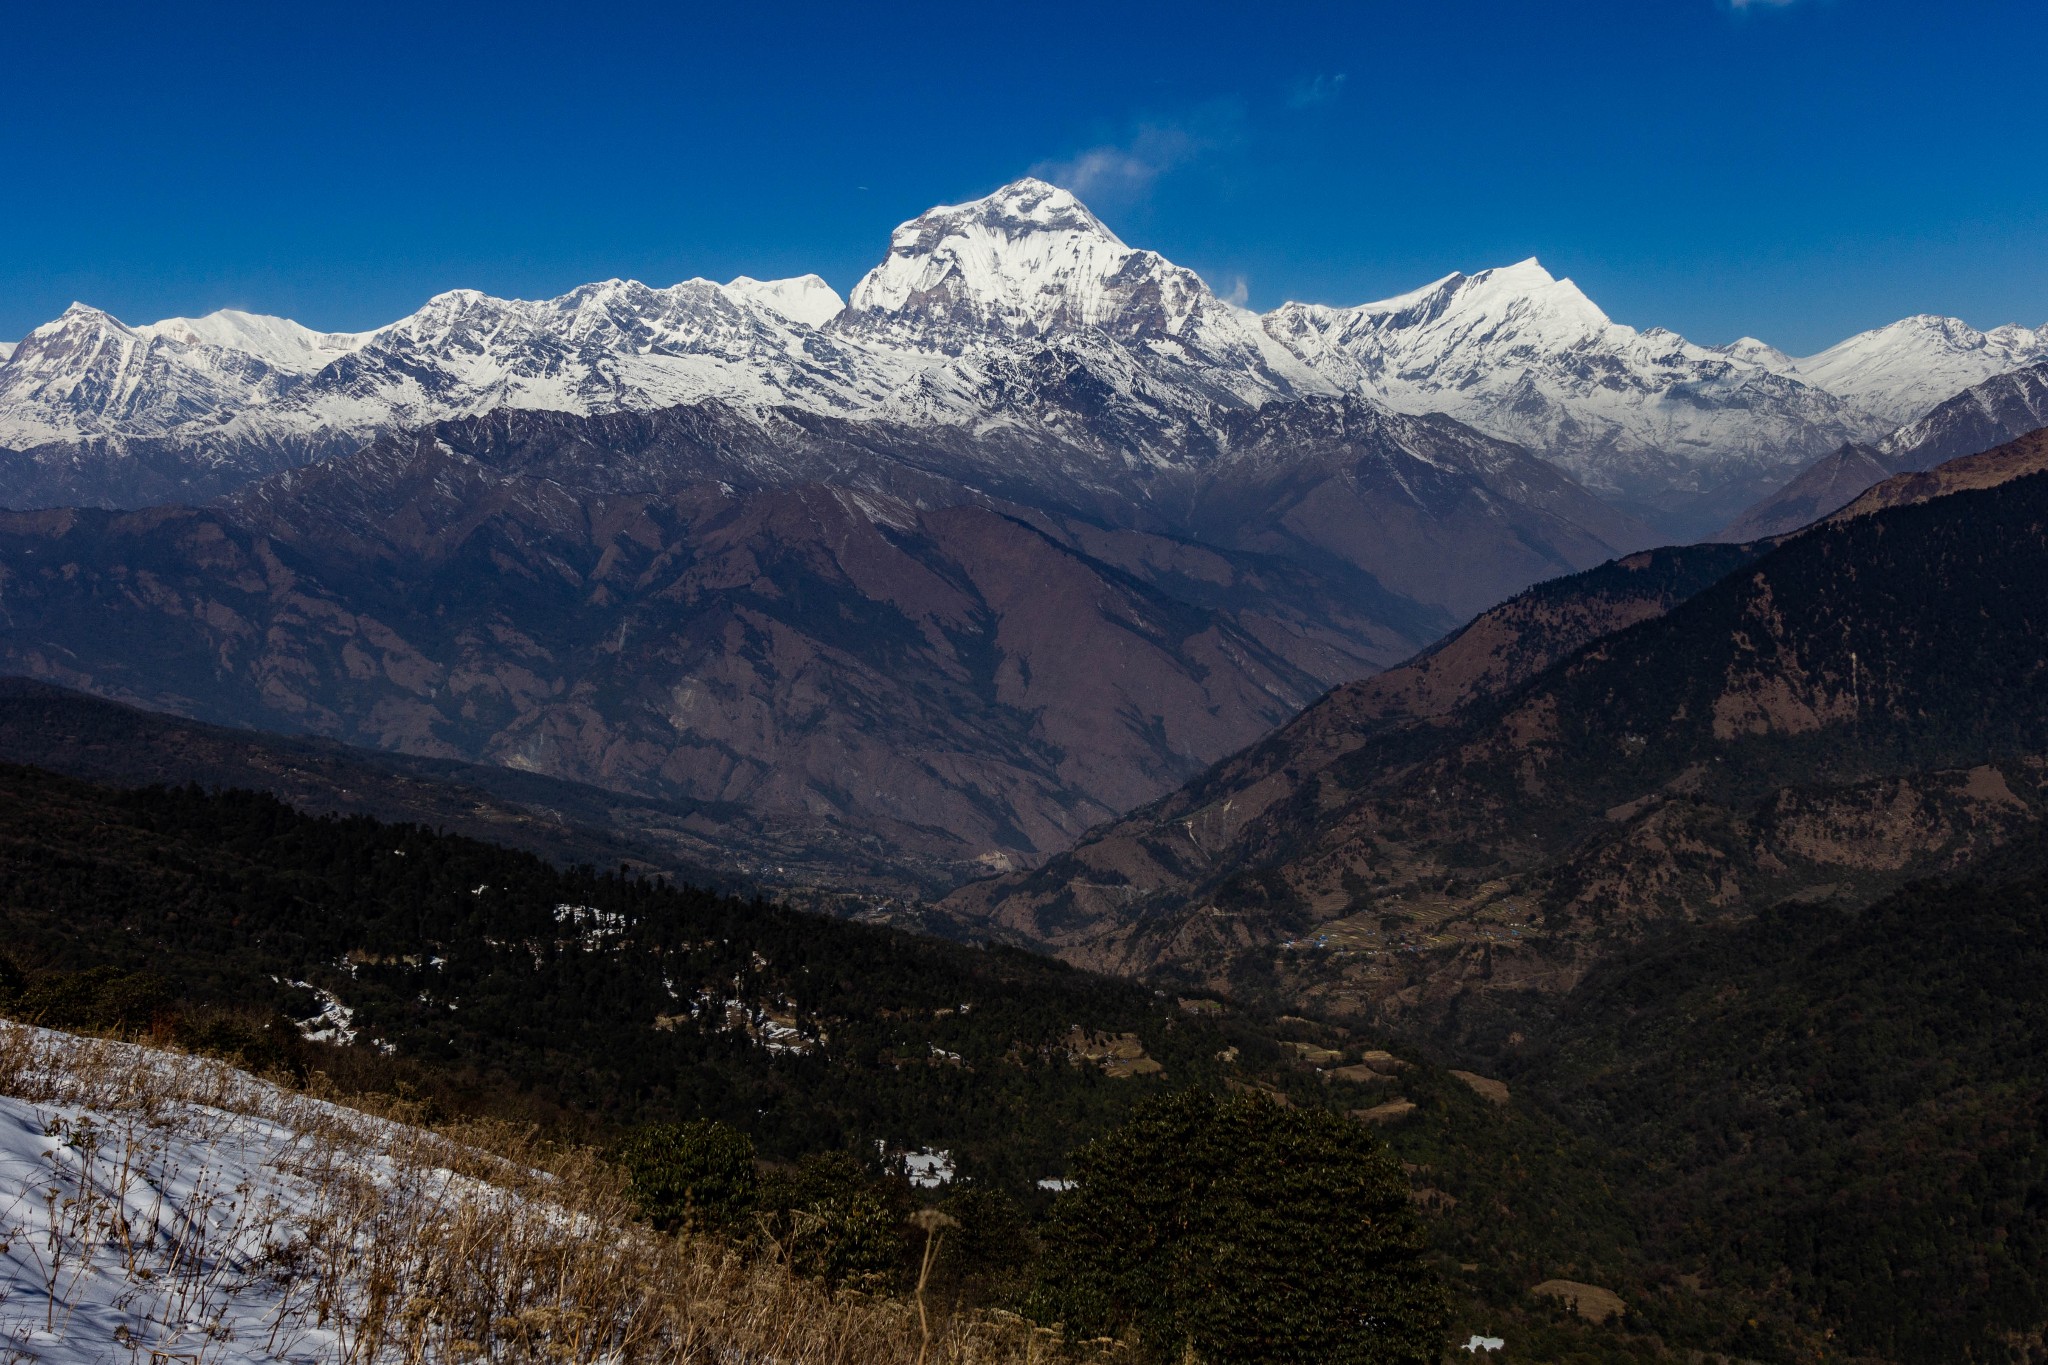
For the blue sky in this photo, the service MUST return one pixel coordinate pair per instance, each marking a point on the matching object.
(1794, 170)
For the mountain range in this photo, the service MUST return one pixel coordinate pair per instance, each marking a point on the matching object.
(923, 584)
(941, 658)
(976, 321)
(1320, 668)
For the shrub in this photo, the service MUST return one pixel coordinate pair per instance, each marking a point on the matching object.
(697, 1175)
(1236, 1231)
(832, 1220)
(988, 1252)
(97, 998)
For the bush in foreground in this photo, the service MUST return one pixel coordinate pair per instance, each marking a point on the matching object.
(695, 1176)
(1236, 1231)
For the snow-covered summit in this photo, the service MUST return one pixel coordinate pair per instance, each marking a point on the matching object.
(86, 373)
(279, 342)
(1528, 357)
(1755, 352)
(1028, 270)
(1902, 370)
(1026, 261)
(806, 299)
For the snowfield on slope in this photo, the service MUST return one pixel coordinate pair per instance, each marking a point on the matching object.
(177, 1209)
(164, 1209)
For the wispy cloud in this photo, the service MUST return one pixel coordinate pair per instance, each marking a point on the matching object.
(1126, 168)
(1318, 89)
(1739, 5)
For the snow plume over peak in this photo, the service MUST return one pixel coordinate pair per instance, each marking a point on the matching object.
(1024, 206)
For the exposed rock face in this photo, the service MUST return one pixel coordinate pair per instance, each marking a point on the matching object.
(1026, 533)
(1777, 721)
(1984, 415)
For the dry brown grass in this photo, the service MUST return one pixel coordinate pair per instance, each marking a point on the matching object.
(385, 1241)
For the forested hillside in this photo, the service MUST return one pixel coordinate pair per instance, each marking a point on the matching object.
(475, 980)
(1838, 1115)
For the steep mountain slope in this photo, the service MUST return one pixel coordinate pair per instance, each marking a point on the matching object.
(1829, 483)
(674, 608)
(1860, 704)
(1985, 415)
(1875, 1074)
(703, 843)
(472, 980)
(1990, 469)
(1170, 847)
(1101, 543)
(496, 983)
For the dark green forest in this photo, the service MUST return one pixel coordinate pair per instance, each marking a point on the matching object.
(1813, 1134)
(575, 996)
(1842, 1117)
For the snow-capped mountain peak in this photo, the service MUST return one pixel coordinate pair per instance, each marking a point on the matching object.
(1904, 369)
(279, 342)
(806, 298)
(1540, 308)
(1528, 357)
(1019, 309)
(1027, 261)
(1751, 351)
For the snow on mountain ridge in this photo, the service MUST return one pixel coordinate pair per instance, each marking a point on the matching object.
(1903, 370)
(602, 346)
(1527, 357)
(1017, 309)
(279, 342)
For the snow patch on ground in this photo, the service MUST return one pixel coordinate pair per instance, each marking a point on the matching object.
(179, 1229)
